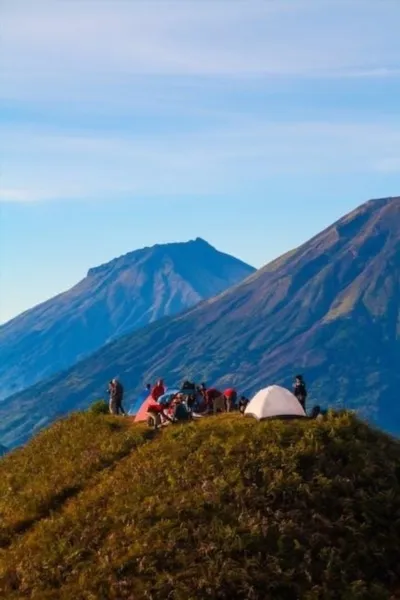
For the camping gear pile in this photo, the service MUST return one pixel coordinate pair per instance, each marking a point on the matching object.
(177, 405)
(161, 407)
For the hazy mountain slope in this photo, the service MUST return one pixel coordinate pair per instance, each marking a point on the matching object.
(330, 309)
(118, 297)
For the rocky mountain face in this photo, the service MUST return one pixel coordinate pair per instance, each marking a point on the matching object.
(329, 309)
(116, 298)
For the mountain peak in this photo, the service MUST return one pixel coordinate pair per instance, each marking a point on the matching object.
(115, 298)
(134, 255)
(200, 240)
(376, 208)
(377, 203)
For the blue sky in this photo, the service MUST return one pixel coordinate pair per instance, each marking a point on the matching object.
(253, 124)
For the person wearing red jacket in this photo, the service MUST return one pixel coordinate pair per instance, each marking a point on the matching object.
(215, 400)
(158, 390)
(230, 396)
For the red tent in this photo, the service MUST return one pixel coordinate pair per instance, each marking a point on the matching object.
(142, 412)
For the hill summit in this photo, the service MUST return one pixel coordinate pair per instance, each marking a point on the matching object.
(118, 297)
(329, 309)
(227, 508)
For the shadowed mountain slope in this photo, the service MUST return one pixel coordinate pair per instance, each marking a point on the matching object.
(329, 309)
(118, 297)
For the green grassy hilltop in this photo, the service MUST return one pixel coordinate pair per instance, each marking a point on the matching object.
(227, 508)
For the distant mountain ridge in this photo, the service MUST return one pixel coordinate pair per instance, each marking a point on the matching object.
(115, 298)
(329, 309)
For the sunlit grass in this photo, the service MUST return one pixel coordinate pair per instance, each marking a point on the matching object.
(56, 464)
(225, 508)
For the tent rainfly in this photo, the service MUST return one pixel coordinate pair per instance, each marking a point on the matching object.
(141, 415)
(165, 398)
(274, 401)
(135, 406)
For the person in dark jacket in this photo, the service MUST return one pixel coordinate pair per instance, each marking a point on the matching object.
(117, 395)
(318, 413)
(188, 390)
(243, 402)
(179, 409)
(300, 390)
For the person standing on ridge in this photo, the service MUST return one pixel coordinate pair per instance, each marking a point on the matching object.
(111, 402)
(158, 390)
(230, 399)
(117, 395)
(300, 390)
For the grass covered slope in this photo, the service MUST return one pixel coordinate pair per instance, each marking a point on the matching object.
(227, 508)
(57, 464)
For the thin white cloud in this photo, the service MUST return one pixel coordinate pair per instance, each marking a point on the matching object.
(217, 161)
(159, 58)
(56, 48)
(389, 164)
(18, 195)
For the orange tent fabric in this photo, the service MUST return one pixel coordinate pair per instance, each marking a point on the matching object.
(142, 412)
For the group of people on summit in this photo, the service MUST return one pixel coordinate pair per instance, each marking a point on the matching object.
(191, 399)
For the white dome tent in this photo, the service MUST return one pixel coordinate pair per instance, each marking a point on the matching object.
(274, 401)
